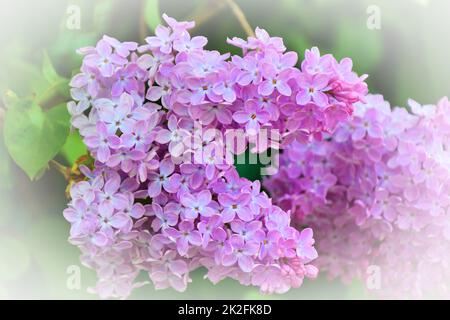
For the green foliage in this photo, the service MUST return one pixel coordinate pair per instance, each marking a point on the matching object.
(48, 71)
(20, 73)
(65, 46)
(152, 14)
(74, 148)
(56, 83)
(34, 137)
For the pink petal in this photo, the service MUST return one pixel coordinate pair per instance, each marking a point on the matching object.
(241, 117)
(154, 189)
(204, 197)
(245, 263)
(303, 97)
(284, 88)
(266, 88)
(119, 220)
(103, 154)
(245, 214)
(166, 167)
(195, 238)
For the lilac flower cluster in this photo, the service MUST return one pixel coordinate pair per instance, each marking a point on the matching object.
(379, 185)
(163, 197)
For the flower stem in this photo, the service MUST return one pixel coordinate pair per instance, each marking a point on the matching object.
(204, 13)
(241, 18)
(65, 171)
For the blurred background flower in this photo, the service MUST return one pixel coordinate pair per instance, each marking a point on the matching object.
(405, 55)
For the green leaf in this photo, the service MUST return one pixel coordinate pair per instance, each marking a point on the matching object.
(48, 70)
(74, 148)
(28, 78)
(151, 14)
(34, 137)
(56, 82)
(63, 49)
(22, 77)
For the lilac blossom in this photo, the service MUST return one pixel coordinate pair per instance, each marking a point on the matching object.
(148, 206)
(166, 179)
(197, 204)
(385, 198)
(103, 142)
(252, 116)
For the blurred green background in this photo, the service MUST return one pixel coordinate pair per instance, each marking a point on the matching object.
(407, 57)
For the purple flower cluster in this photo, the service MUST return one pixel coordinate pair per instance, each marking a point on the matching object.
(378, 185)
(164, 197)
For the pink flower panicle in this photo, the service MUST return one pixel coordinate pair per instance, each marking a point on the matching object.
(376, 192)
(161, 198)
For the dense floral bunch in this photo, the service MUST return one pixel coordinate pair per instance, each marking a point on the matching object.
(164, 196)
(376, 191)
(300, 103)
